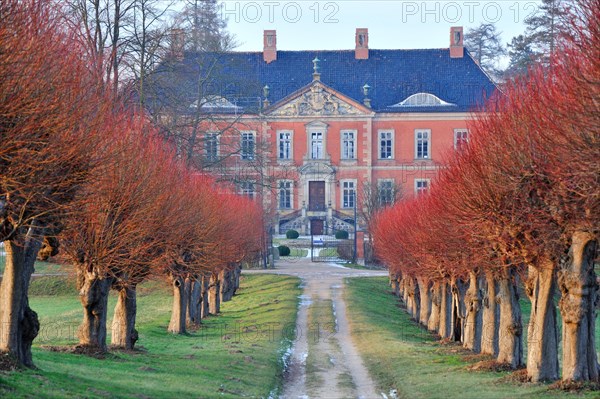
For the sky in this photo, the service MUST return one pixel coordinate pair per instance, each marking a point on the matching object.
(392, 24)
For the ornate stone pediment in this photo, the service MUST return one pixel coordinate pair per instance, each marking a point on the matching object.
(317, 100)
(316, 168)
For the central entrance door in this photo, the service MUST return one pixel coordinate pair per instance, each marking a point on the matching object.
(316, 227)
(316, 196)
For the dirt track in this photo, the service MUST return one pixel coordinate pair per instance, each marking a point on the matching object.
(335, 367)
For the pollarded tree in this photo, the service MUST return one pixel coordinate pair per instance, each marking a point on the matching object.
(566, 116)
(114, 235)
(50, 120)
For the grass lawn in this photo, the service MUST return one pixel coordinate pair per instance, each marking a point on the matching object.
(40, 267)
(328, 253)
(298, 252)
(402, 356)
(236, 354)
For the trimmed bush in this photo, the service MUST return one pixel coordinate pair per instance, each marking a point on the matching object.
(292, 234)
(341, 235)
(283, 250)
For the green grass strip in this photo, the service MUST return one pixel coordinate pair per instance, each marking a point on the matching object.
(237, 354)
(402, 356)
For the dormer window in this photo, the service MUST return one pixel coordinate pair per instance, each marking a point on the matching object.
(422, 100)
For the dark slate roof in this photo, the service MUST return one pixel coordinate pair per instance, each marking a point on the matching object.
(393, 76)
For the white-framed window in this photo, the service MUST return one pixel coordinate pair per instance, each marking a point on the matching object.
(423, 144)
(421, 186)
(461, 138)
(211, 146)
(284, 144)
(285, 194)
(316, 145)
(248, 145)
(386, 144)
(348, 193)
(247, 189)
(386, 191)
(348, 144)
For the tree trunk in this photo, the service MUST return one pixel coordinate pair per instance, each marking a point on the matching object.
(93, 294)
(405, 288)
(226, 289)
(542, 334)
(214, 304)
(473, 316)
(510, 325)
(177, 323)
(413, 302)
(579, 289)
(459, 289)
(491, 313)
(425, 296)
(124, 334)
(394, 284)
(204, 309)
(445, 329)
(436, 300)
(19, 324)
(237, 272)
(194, 311)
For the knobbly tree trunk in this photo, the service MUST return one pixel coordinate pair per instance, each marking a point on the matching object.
(491, 313)
(405, 288)
(226, 279)
(510, 325)
(204, 308)
(178, 314)
(194, 311)
(459, 289)
(124, 334)
(237, 272)
(93, 294)
(413, 302)
(542, 334)
(436, 300)
(19, 324)
(473, 316)
(214, 304)
(425, 295)
(579, 289)
(394, 283)
(445, 330)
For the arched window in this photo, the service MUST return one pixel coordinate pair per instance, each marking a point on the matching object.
(422, 100)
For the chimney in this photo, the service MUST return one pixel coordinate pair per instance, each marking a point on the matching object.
(362, 44)
(457, 48)
(270, 46)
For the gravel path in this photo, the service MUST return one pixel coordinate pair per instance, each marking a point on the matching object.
(345, 376)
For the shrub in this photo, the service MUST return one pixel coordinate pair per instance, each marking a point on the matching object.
(341, 235)
(283, 250)
(292, 234)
